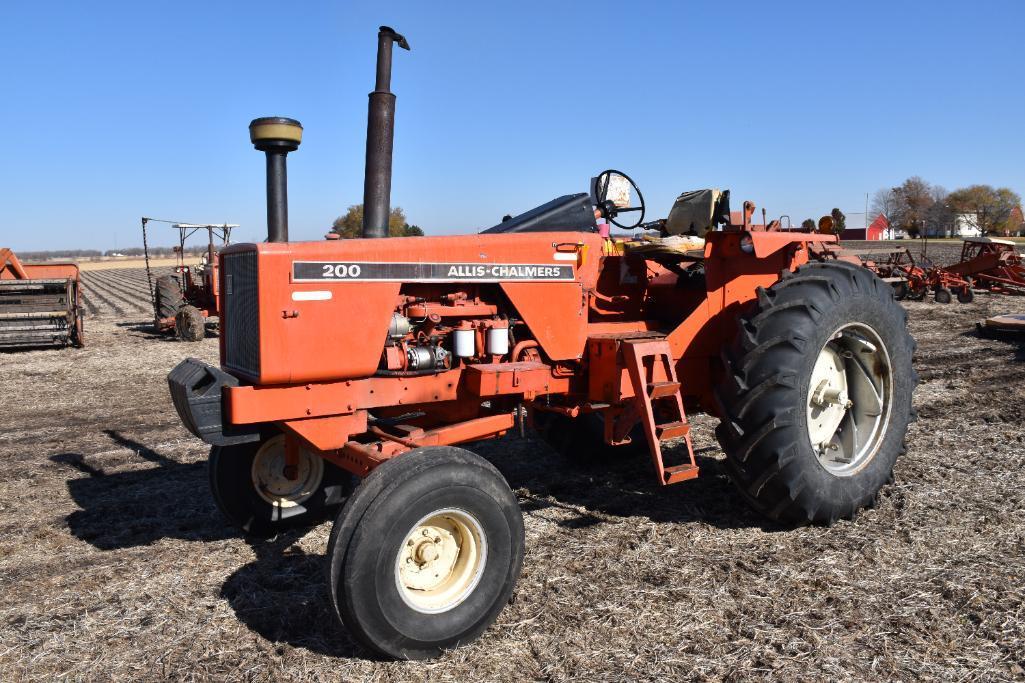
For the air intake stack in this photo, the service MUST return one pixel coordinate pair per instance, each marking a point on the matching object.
(276, 136)
(380, 138)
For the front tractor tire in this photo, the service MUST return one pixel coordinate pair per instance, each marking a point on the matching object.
(816, 394)
(250, 485)
(426, 553)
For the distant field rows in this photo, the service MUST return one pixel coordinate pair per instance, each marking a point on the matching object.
(120, 292)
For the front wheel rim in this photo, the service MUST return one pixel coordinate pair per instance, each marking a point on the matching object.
(270, 478)
(850, 394)
(441, 560)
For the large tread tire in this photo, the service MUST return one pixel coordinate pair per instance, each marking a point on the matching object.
(763, 395)
(369, 532)
(168, 293)
(190, 324)
(231, 483)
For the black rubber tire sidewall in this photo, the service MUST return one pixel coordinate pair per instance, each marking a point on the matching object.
(231, 483)
(168, 293)
(368, 534)
(942, 296)
(769, 455)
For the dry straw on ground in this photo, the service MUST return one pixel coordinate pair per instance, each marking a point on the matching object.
(115, 564)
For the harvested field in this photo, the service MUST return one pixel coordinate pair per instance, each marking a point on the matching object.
(114, 562)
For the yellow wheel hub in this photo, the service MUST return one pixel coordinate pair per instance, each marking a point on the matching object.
(272, 480)
(441, 561)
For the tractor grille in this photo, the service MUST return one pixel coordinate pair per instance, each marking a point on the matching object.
(241, 324)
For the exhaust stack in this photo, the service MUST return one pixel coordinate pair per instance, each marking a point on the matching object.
(276, 136)
(380, 138)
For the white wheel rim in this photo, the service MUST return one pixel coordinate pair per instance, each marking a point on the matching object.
(271, 481)
(441, 560)
(849, 399)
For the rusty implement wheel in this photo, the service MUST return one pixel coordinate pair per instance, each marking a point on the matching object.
(816, 398)
(190, 324)
(426, 553)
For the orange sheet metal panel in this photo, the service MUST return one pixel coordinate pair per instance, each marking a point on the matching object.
(328, 433)
(528, 379)
(256, 404)
(325, 306)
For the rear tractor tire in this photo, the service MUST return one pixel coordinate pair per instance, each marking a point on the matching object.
(190, 324)
(816, 394)
(250, 486)
(168, 295)
(943, 295)
(426, 553)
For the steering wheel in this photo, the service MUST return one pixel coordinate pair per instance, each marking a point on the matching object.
(608, 208)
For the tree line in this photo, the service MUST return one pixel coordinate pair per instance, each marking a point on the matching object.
(920, 208)
(350, 224)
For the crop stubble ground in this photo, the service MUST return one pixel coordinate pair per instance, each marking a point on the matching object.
(114, 562)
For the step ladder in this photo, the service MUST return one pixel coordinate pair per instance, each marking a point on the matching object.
(657, 395)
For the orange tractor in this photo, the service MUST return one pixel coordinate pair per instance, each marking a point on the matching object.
(185, 302)
(377, 357)
(40, 304)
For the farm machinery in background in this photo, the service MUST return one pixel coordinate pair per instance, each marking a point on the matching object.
(914, 279)
(186, 302)
(988, 264)
(40, 304)
(992, 264)
(374, 357)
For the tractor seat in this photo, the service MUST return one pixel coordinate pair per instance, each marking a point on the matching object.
(569, 213)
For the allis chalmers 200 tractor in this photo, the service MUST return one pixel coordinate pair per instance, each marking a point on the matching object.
(376, 357)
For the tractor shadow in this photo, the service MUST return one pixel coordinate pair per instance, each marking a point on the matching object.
(282, 596)
(623, 486)
(146, 330)
(139, 507)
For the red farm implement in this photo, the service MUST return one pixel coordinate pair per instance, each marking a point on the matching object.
(914, 279)
(39, 303)
(991, 264)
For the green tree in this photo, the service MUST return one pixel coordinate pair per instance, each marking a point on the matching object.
(992, 206)
(839, 221)
(808, 224)
(350, 224)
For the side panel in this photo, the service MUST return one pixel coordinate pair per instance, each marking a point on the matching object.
(327, 318)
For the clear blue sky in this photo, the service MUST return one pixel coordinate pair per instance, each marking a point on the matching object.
(114, 110)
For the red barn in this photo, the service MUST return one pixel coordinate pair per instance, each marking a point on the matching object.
(875, 231)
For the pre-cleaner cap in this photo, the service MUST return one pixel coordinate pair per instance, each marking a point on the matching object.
(275, 132)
